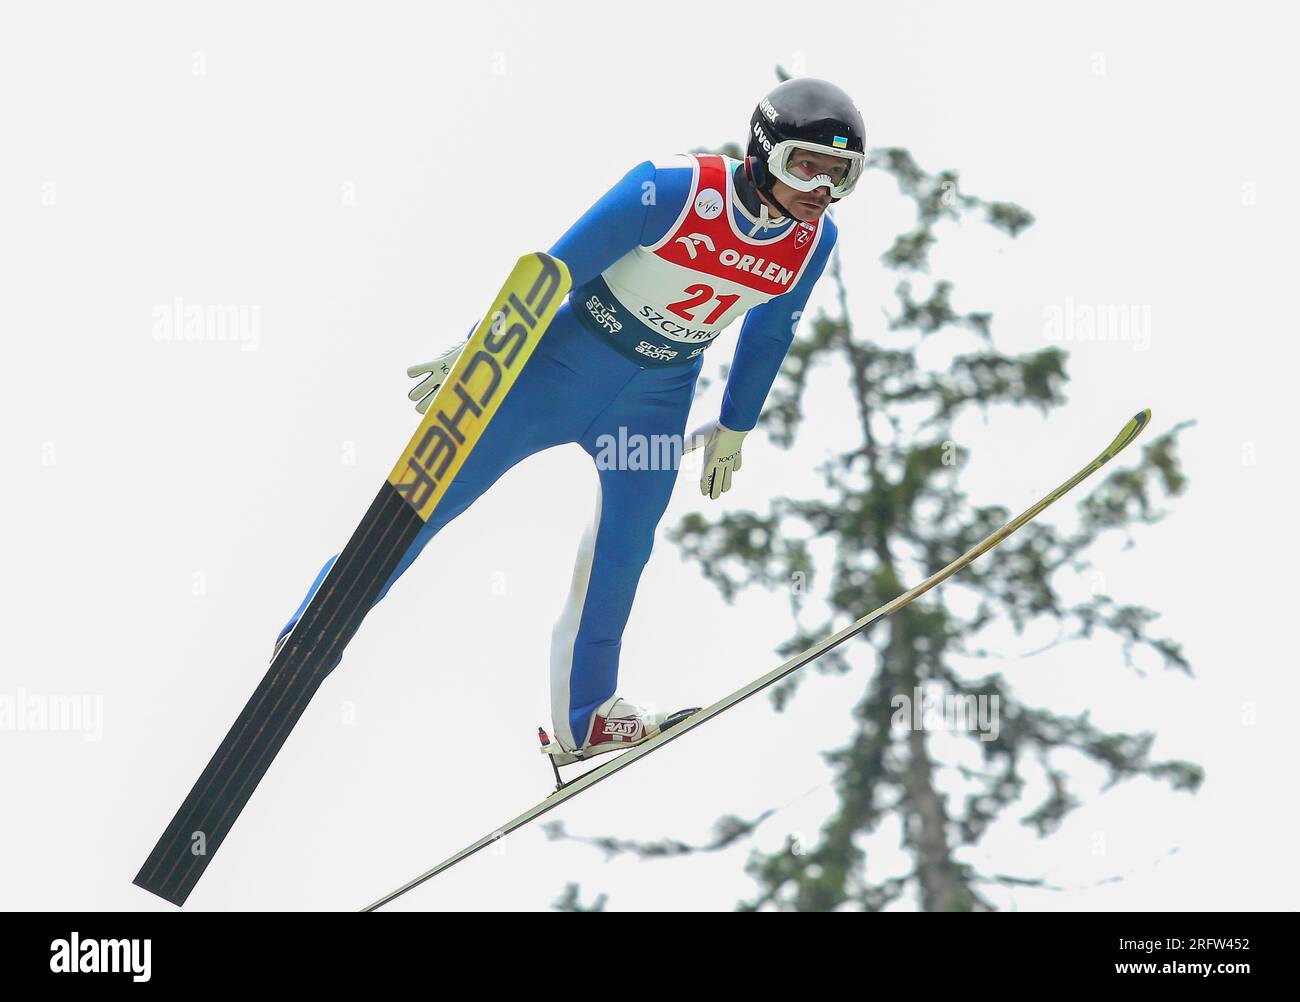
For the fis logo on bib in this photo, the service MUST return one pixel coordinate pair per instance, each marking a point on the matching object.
(708, 204)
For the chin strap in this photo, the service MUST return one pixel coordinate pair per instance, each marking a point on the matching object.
(784, 211)
(763, 191)
(765, 218)
(763, 221)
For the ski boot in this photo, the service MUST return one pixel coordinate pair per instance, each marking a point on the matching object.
(616, 725)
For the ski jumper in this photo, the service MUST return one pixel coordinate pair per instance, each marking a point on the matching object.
(661, 264)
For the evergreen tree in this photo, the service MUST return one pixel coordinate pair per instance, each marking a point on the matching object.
(895, 514)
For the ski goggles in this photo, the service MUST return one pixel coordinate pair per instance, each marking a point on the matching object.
(804, 166)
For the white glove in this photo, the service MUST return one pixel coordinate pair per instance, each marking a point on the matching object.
(721, 456)
(434, 374)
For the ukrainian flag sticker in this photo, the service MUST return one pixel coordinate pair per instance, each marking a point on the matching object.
(841, 142)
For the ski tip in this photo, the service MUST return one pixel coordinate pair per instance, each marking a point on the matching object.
(1129, 432)
(1140, 420)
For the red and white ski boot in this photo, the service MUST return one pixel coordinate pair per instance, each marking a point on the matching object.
(616, 725)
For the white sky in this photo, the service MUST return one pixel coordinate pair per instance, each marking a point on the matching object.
(169, 502)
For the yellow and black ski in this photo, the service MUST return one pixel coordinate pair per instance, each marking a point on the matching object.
(454, 423)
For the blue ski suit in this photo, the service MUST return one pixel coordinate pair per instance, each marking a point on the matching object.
(619, 365)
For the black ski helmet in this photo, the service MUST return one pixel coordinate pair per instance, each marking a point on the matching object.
(809, 114)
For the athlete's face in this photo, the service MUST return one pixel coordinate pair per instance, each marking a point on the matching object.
(806, 206)
(808, 164)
